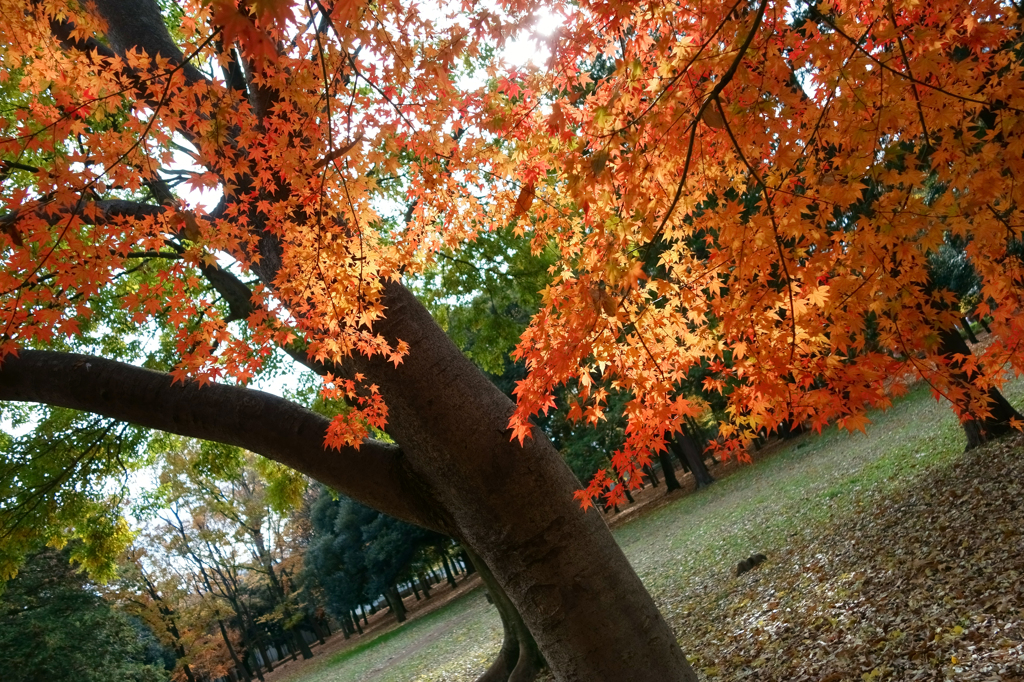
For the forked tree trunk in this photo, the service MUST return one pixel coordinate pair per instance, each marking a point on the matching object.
(519, 659)
(590, 614)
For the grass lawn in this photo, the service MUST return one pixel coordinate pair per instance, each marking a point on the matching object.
(686, 550)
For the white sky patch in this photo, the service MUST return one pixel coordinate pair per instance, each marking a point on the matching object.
(532, 48)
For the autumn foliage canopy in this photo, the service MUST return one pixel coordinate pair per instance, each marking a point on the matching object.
(751, 192)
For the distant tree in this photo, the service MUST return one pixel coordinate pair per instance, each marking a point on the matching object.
(54, 626)
(357, 555)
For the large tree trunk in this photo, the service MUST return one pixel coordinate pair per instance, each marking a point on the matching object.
(577, 593)
(561, 568)
(977, 429)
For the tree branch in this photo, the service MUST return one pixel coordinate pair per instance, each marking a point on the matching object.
(374, 474)
(92, 212)
(132, 24)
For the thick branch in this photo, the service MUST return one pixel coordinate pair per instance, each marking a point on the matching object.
(263, 423)
(92, 212)
(132, 24)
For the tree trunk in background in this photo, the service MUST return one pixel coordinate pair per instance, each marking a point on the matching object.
(447, 569)
(425, 586)
(968, 330)
(651, 474)
(671, 482)
(977, 429)
(300, 640)
(467, 564)
(239, 665)
(314, 625)
(265, 655)
(394, 599)
(690, 457)
(700, 438)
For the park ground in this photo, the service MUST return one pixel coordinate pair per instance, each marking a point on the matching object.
(892, 555)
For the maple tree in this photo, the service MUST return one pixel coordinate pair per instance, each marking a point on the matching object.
(751, 190)
(794, 169)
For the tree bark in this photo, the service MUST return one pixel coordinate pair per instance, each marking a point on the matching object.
(254, 420)
(968, 330)
(394, 599)
(231, 650)
(359, 628)
(447, 568)
(668, 470)
(651, 474)
(467, 564)
(689, 456)
(513, 505)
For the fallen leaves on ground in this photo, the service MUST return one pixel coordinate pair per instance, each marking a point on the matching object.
(924, 584)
